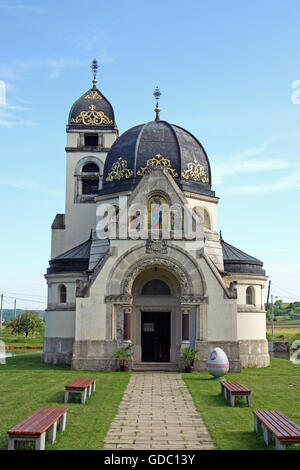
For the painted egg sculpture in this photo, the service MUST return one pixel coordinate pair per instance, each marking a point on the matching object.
(217, 363)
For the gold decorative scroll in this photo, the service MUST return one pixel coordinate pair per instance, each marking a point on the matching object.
(158, 162)
(93, 95)
(92, 117)
(119, 170)
(195, 171)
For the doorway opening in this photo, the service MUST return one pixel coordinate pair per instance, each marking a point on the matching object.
(155, 336)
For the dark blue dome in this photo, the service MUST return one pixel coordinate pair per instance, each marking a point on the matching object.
(92, 111)
(157, 144)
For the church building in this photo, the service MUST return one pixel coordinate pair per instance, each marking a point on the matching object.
(137, 257)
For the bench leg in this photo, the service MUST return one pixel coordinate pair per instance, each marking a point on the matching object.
(232, 399)
(66, 396)
(11, 443)
(83, 396)
(257, 424)
(267, 436)
(280, 445)
(94, 386)
(52, 433)
(225, 393)
(248, 398)
(62, 422)
(222, 388)
(40, 442)
(90, 390)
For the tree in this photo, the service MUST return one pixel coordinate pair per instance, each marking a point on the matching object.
(27, 323)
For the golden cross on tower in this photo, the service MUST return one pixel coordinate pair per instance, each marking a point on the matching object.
(94, 68)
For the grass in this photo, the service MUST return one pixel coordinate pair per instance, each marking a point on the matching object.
(20, 340)
(274, 388)
(27, 384)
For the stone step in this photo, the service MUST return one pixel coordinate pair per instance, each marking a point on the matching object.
(155, 366)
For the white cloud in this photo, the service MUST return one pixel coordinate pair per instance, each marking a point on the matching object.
(27, 186)
(245, 162)
(21, 7)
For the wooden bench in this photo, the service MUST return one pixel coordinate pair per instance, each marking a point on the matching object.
(34, 427)
(275, 422)
(83, 385)
(233, 389)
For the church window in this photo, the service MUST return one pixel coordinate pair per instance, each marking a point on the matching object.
(156, 287)
(90, 179)
(249, 296)
(62, 294)
(91, 140)
(156, 214)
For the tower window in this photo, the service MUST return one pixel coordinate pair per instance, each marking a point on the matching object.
(91, 140)
(62, 294)
(90, 180)
(249, 296)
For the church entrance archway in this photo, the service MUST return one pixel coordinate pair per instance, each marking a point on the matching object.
(156, 315)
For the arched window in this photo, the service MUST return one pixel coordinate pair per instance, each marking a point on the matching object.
(90, 179)
(250, 296)
(156, 287)
(207, 223)
(156, 215)
(62, 294)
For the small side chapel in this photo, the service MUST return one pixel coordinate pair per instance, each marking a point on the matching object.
(159, 294)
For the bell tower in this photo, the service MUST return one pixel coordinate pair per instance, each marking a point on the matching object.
(91, 131)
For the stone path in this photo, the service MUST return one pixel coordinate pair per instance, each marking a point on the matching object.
(157, 412)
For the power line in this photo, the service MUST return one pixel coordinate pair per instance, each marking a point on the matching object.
(25, 300)
(286, 289)
(20, 293)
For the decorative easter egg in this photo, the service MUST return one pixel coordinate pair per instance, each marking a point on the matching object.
(217, 363)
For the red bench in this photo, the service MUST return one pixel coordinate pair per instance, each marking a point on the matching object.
(81, 385)
(275, 422)
(233, 389)
(34, 427)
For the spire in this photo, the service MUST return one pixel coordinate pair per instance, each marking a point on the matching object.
(94, 68)
(157, 95)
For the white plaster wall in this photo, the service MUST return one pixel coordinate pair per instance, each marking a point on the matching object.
(221, 312)
(210, 206)
(251, 325)
(60, 324)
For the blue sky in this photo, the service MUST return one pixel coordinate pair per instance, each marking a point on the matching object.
(225, 70)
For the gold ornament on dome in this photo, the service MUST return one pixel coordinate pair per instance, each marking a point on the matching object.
(195, 171)
(119, 170)
(93, 95)
(158, 162)
(92, 117)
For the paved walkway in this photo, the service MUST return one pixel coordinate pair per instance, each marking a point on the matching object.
(157, 412)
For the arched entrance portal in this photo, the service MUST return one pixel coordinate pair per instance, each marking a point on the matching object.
(156, 315)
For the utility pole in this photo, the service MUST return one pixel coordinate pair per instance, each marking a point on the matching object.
(1, 310)
(272, 310)
(15, 309)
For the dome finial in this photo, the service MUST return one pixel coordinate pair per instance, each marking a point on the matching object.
(94, 68)
(157, 95)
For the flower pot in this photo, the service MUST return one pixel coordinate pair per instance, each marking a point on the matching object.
(189, 368)
(124, 368)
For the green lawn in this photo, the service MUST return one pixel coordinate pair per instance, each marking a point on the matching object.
(26, 384)
(274, 388)
(20, 340)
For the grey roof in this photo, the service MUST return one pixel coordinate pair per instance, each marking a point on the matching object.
(237, 261)
(144, 142)
(77, 259)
